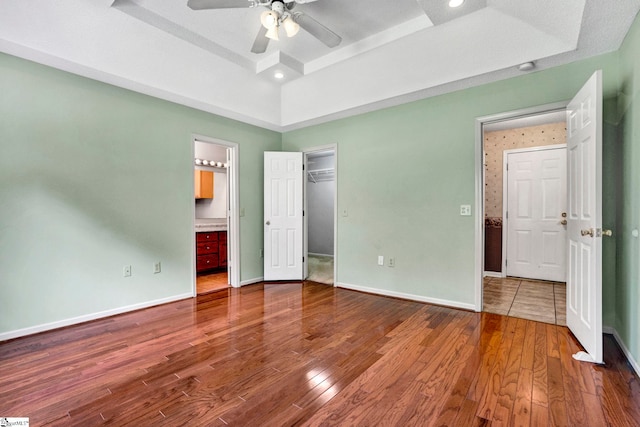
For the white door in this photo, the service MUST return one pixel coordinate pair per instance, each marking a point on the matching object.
(536, 203)
(584, 282)
(283, 216)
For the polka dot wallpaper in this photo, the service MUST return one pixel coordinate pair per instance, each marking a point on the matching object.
(496, 142)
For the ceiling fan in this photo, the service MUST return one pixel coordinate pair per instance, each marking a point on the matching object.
(279, 13)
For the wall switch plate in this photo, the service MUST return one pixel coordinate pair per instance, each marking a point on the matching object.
(392, 262)
(380, 259)
(465, 210)
(126, 271)
(157, 268)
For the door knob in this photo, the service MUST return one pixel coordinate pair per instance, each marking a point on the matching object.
(563, 222)
(268, 223)
(607, 233)
(564, 214)
(588, 232)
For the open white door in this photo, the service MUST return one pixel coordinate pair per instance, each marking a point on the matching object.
(584, 229)
(283, 200)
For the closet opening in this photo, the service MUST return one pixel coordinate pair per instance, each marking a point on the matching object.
(320, 215)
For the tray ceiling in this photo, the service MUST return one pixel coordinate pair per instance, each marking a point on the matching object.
(391, 52)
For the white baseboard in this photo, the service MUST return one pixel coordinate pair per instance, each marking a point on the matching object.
(412, 297)
(493, 274)
(88, 317)
(251, 281)
(634, 364)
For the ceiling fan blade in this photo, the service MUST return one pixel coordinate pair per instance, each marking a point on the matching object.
(261, 42)
(217, 4)
(317, 30)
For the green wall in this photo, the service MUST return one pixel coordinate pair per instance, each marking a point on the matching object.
(403, 173)
(93, 178)
(628, 194)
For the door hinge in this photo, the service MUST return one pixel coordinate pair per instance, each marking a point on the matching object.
(507, 214)
(303, 212)
(506, 261)
(302, 259)
(507, 166)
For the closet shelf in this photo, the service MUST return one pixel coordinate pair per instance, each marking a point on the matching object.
(320, 175)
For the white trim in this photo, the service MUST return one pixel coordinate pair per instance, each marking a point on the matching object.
(497, 274)
(233, 225)
(329, 147)
(313, 253)
(612, 331)
(412, 297)
(479, 184)
(89, 317)
(252, 281)
(505, 192)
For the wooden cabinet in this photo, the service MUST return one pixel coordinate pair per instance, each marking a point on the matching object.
(222, 249)
(211, 250)
(203, 184)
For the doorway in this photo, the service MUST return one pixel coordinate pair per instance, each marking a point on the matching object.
(215, 210)
(320, 214)
(524, 200)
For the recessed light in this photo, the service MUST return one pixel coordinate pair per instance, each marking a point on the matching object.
(455, 3)
(278, 75)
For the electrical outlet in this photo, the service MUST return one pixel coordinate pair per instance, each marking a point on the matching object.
(126, 271)
(345, 212)
(465, 210)
(380, 259)
(392, 262)
(157, 268)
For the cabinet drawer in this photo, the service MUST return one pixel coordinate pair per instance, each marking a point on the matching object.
(209, 236)
(205, 262)
(207, 248)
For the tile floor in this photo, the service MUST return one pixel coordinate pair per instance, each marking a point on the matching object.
(321, 269)
(525, 298)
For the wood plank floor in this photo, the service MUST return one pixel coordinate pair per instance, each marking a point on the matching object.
(310, 354)
(206, 283)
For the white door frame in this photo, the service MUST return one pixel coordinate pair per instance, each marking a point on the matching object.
(233, 215)
(505, 219)
(479, 183)
(306, 152)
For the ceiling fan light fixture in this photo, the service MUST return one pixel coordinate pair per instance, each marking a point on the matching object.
(269, 19)
(272, 33)
(291, 27)
(455, 3)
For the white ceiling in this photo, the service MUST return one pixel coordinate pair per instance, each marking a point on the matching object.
(391, 51)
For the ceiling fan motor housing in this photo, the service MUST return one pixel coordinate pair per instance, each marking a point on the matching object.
(278, 7)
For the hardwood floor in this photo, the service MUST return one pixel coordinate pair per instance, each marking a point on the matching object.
(211, 282)
(310, 354)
